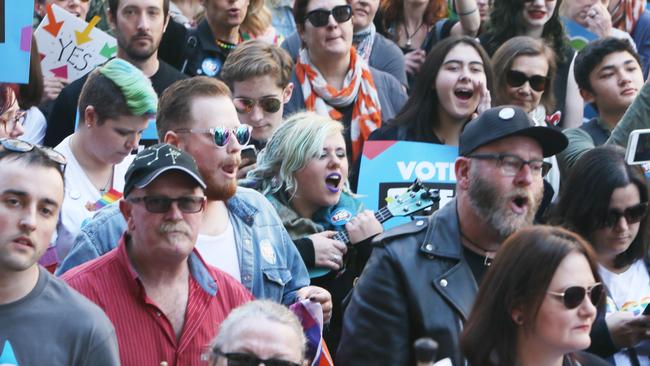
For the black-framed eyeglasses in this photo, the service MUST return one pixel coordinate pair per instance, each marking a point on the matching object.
(632, 214)
(162, 204)
(246, 359)
(321, 17)
(516, 79)
(221, 135)
(573, 296)
(246, 105)
(20, 146)
(511, 164)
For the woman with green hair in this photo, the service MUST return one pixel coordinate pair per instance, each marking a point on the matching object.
(303, 171)
(115, 106)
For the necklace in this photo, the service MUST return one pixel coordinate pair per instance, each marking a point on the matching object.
(489, 255)
(108, 183)
(225, 45)
(410, 36)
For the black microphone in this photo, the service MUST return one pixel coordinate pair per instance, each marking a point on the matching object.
(425, 351)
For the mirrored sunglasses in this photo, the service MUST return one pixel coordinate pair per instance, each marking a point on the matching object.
(221, 135)
(632, 214)
(516, 79)
(573, 296)
(246, 105)
(245, 359)
(20, 146)
(321, 17)
(161, 204)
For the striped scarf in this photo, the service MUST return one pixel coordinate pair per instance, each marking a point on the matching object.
(358, 88)
(626, 13)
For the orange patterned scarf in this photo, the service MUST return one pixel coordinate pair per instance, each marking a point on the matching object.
(358, 88)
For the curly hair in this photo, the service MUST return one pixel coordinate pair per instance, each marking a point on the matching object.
(506, 21)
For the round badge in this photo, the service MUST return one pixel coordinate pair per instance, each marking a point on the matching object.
(74, 194)
(506, 113)
(211, 66)
(267, 251)
(340, 217)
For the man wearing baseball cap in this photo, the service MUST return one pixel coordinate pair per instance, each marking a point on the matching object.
(422, 278)
(166, 304)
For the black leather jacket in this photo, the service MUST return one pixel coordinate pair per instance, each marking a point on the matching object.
(415, 284)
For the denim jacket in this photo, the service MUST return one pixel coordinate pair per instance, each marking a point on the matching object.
(270, 265)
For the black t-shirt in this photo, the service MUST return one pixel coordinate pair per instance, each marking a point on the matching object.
(61, 121)
(477, 263)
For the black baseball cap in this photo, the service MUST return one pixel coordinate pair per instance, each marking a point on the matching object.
(155, 160)
(507, 121)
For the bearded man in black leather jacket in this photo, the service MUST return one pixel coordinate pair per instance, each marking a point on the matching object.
(422, 277)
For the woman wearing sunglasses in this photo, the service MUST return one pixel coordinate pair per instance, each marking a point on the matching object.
(606, 201)
(333, 80)
(524, 69)
(536, 304)
(303, 171)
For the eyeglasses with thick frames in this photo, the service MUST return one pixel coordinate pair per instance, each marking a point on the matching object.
(517, 78)
(321, 17)
(221, 135)
(573, 296)
(632, 214)
(511, 164)
(20, 146)
(162, 204)
(245, 359)
(246, 105)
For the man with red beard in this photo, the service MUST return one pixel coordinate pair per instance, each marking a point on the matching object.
(240, 233)
(422, 278)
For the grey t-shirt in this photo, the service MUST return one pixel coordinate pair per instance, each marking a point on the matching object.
(55, 325)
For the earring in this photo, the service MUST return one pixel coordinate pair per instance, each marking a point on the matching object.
(519, 320)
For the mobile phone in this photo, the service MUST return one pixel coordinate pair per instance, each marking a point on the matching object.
(249, 152)
(638, 147)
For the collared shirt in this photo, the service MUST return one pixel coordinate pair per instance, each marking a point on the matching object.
(145, 335)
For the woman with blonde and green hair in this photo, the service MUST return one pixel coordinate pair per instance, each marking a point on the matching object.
(115, 106)
(303, 171)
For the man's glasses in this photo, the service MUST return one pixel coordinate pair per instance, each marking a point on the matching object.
(20, 146)
(573, 296)
(162, 204)
(321, 17)
(246, 105)
(511, 164)
(632, 214)
(245, 359)
(222, 135)
(517, 78)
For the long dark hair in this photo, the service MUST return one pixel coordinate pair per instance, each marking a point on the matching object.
(518, 278)
(393, 11)
(420, 112)
(584, 199)
(506, 21)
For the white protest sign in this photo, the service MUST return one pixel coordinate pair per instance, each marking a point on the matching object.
(70, 47)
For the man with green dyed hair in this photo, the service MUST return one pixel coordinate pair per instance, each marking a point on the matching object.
(115, 106)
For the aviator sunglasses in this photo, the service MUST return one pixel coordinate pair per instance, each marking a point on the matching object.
(632, 214)
(20, 146)
(320, 17)
(222, 135)
(162, 204)
(245, 359)
(517, 78)
(573, 296)
(246, 105)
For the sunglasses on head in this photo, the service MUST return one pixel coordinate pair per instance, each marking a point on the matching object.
(162, 204)
(246, 105)
(517, 78)
(20, 146)
(222, 135)
(573, 296)
(245, 359)
(632, 214)
(321, 17)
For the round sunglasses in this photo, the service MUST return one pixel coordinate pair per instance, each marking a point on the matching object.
(573, 296)
(321, 17)
(632, 214)
(516, 79)
(20, 146)
(222, 135)
(246, 105)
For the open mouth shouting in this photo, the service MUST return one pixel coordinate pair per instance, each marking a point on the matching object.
(333, 182)
(519, 204)
(464, 93)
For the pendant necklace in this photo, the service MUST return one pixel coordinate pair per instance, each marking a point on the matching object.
(410, 36)
(487, 254)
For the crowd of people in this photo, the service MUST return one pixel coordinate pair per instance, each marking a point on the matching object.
(214, 244)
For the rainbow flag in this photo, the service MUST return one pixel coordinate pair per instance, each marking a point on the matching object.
(108, 198)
